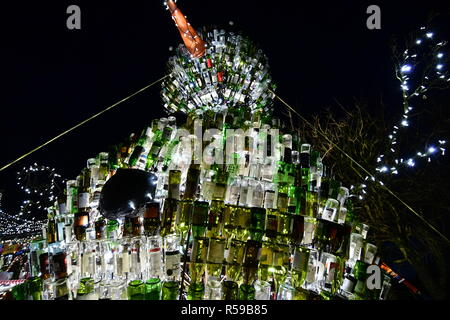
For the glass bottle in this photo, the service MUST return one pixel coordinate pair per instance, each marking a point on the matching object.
(216, 254)
(86, 290)
(215, 218)
(262, 290)
(168, 221)
(198, 258)
(35, 287)
(213, 290)
(154, 264)
(153, 289)
(196, 291)
(200, 218)
(246, 292)
(172, 257)
(230, 290)
(80, 225)
(170, 290)
(300, 266)
(136, 290)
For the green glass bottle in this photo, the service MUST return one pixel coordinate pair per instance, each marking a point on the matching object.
(35, 286)
(300, 266)
(265, 269)
(192, 180)
(196, 291)
(85, 290)
(360, 274)
(168, 221)
(153, 289)
(170, 290)
(246, 292)
(284, 225)
(198, 259)
(215, 217)
(229, 222)
(216, 255)
(51, 227)
(184, 218)
(258, 221)
(112, 227)
(271, 227)
(235, 260)
(200, 218)
(61, 290)
(251, 261)
(136, 290)
(19, 292)
(174, 184)
(244, 220)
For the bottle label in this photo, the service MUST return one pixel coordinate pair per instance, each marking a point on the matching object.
(328, 214)
(348, 285)
(173, 264)
(269, 200)
(62, 208)
(300, 260)
(125, 262)
(155, 262)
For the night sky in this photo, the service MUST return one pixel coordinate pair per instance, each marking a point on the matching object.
(53, 78)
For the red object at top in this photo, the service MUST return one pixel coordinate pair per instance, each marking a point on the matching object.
(220, 76)
(193, 42)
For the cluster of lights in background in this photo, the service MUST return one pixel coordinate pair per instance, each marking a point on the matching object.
(429, 54)
(41, 183)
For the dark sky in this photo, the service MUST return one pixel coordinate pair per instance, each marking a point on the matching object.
(53, 78)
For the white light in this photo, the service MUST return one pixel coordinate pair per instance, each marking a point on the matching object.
(429, 34)
(410, 162)
(431, 149)
(419, 41)
(405, 123)
(383, 169)
(406, 68)
(439, 66)
(440, 55)
(132, 206)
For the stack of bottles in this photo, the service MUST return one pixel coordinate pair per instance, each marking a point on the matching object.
(269, 222)
(233, 71)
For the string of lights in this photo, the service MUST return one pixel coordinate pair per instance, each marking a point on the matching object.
(421, 69)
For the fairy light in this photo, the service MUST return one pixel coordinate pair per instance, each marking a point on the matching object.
(21, 223)
(405, 72)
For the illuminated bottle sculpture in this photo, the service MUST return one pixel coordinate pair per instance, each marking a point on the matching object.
(241, 209)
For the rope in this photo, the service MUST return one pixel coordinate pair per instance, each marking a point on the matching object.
(81, 123)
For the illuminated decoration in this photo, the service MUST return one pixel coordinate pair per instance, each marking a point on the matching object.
(420, 71)
(40, 185)
(258, 216)
(231, 74)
